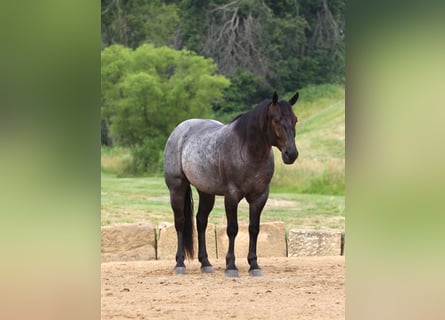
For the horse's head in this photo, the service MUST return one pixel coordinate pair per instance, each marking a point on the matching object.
(281, 127)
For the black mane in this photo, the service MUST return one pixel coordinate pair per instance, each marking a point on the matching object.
(251, 127)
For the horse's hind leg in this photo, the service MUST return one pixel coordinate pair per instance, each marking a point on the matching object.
(206, 202)
(178, 200)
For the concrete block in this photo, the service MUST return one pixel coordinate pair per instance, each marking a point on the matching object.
(314, 243)
(128, 242)
(168, 242)
(271, 240)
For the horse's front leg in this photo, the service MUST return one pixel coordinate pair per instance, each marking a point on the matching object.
(256, 205)
(231, 206)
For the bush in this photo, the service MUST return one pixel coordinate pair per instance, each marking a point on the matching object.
(146, 158)
(243, 94)
(115, 159)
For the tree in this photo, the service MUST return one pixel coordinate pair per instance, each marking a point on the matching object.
(242, 94)
(288, 42)
(134, 22)
(192, 27)
(234, 37)
(324, 58)
(146, 92)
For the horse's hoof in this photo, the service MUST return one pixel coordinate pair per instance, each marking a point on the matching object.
(179, 271)
(207, 269)
(255, 273)
(232, 273)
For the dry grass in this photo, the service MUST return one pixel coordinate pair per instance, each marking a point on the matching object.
(114, 160)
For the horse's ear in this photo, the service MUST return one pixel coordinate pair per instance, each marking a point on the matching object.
(275, 98)
(294, 99)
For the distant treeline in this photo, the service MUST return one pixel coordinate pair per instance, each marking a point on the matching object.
(260, 45)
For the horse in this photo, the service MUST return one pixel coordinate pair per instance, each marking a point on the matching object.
(235, 161)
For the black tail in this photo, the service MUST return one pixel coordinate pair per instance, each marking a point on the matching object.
(188, 224)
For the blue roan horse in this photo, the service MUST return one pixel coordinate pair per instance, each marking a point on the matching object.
(235, 161)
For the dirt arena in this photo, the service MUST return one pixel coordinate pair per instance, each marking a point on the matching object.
(292, 288)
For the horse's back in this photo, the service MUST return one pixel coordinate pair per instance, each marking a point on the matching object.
(189, 129)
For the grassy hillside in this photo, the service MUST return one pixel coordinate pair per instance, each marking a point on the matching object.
(320, 140)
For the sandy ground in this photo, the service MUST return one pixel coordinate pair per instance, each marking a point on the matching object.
(292, 288)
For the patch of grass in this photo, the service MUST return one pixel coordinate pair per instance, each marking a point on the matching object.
(311, 176)
(146, 199)
(133, 199)
(320, 168)
(114, 159)
(314, 98)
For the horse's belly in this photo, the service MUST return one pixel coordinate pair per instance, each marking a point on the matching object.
(204, 177)
(208, 186)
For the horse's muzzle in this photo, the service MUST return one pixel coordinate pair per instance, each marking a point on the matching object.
(289, 155)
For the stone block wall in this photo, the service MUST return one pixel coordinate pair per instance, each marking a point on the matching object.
(142, 241)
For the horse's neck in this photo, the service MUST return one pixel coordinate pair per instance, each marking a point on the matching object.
(254, 149)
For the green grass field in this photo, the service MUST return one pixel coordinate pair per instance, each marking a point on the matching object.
(146, 199)
(307, 194)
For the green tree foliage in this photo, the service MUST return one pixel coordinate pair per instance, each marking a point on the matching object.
(133, 22)
(193, 15)
(324, 58)
(288, 43)
(146, 92)
(243, 94)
